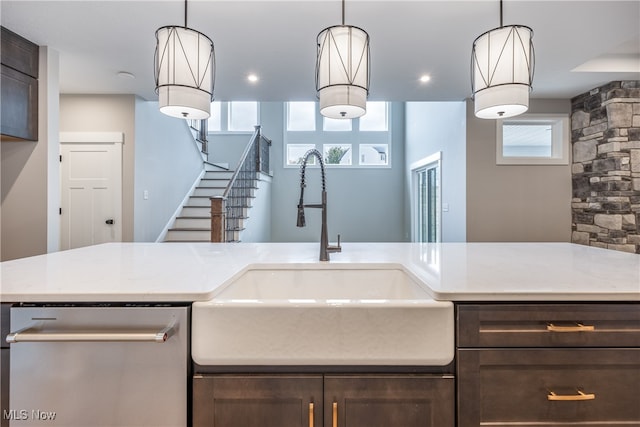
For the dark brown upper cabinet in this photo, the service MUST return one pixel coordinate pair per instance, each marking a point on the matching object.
(19, 82)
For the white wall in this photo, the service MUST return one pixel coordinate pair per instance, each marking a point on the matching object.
(167, 163)
(433, 127)
(49, 117)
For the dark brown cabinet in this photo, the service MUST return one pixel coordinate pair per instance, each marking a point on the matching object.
(367, 400)
(19, 82)
(4, 362)
(389, 400)
(548, 364)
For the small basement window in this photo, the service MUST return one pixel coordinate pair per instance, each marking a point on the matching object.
(533, 139)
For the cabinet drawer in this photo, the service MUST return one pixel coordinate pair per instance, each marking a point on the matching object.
(548, 325)
(512, 387)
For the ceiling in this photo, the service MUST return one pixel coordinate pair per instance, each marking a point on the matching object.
(579, 44)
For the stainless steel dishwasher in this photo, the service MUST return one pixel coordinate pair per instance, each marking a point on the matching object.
(121, 365)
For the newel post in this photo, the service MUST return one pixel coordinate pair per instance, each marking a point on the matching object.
(218, 219)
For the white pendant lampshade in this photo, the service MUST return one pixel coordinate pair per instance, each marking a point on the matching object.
(342, 71)
(184, 72)
(502, 65)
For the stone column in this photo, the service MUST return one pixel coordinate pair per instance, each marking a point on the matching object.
(605, 124)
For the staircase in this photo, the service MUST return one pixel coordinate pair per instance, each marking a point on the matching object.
(193, 223)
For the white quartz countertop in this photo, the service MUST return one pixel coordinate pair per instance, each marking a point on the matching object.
(171, 272)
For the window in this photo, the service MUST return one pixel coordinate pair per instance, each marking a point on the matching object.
(376, 118)
(214, 124)
(296, 152)
(365, 142)
(301, 116)
(233, 116)
(243, 116)
(337, 154)
(374, 154)
(336, 125)
(533, 139)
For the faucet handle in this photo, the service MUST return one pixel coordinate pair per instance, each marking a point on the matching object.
(336, 248)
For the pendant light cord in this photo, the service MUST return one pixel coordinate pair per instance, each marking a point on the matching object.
(185, 13)
(500, 14)
(343, 12)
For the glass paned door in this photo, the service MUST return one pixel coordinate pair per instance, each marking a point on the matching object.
(427, 203)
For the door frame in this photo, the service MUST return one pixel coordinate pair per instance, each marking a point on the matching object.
(96, 138)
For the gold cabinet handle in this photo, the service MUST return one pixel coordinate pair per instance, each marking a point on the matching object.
(579, 327)
(335, 415)
(571, 397)
(311, 414)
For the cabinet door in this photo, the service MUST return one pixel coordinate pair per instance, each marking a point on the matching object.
(389, 400)
(536, 387)
(257, 401)
(18, 105)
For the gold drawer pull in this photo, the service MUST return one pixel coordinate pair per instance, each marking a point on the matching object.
(579, 327)
(311, 414)
(335, 415)
(571, 397)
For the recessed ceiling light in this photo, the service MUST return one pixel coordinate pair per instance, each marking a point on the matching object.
(425, 78)
(252, 78)
(126, 75)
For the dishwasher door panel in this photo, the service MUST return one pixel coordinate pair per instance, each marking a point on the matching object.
(78, 382)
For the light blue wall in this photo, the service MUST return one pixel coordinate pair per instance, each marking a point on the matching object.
(433, 127)
(167, 163)
(364, 204)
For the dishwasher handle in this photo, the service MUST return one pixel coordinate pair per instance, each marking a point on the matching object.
(31, 334)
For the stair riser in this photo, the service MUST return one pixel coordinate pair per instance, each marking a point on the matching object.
(199, 201)
(189, 236)
(217, 183)
(207, 191)
(218, 175)
(199, 211)
(192, 223)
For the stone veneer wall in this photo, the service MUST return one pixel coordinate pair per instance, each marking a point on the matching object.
(605, 125)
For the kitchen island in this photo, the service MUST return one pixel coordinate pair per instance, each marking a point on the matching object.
(546, 333)
(188, 272)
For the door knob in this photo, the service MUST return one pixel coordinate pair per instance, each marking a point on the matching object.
(109, 221)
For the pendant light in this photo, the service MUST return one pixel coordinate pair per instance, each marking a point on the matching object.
(184, 71)
(342, 71)
(502, 65)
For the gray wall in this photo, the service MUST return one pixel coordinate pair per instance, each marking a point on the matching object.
(167, 164)
(515, 203)
(364, 204)
(433, 127)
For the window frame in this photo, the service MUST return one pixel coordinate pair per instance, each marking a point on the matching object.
(560, 140)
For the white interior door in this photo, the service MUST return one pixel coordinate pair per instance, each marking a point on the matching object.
(91, 184)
